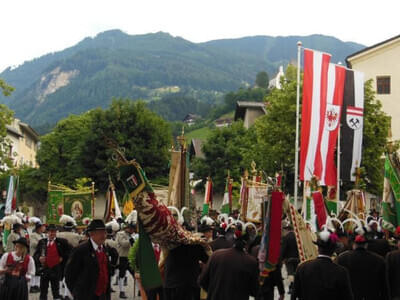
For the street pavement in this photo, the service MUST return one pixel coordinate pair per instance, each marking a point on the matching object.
(129, 291)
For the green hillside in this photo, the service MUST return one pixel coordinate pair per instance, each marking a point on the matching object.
(174, 75)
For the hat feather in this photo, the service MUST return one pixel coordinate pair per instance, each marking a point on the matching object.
(132, 217)
(12, 219)
(114, 225)
(34, 220)
(64, 219)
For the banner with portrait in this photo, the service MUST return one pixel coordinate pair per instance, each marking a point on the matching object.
(256, 196)
(78, 204)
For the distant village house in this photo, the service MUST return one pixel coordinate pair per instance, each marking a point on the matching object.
(249, 112)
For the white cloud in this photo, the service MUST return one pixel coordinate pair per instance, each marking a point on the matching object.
(33, 28)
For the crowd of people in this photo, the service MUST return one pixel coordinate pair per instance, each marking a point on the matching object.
(96, 261)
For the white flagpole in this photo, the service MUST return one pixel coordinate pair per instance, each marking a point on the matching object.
(338, 171)
(296, 164)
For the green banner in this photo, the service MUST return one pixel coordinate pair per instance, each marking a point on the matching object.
(391, 175)
(331, 206)
(55, 206)
(78, 206)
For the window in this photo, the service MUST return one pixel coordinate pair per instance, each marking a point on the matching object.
(383, 84)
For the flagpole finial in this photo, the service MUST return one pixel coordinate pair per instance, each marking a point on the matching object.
(299, 43)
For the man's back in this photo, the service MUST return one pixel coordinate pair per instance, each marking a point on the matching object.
(367, 273)
(393, 273)
(320, 279)
(182, 265)
(230, 274)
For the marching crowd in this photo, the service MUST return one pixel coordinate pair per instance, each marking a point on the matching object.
(95, 262)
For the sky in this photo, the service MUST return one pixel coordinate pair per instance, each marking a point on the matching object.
(30, 29)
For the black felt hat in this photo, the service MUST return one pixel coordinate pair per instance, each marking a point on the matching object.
(51, 227)
(69, 225)
(22, 241)
(96, 224)
(16, 226)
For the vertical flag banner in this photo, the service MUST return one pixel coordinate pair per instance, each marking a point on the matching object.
(10, 194)
(208, 195)
(352, 124)
(244, 196)
(391, 197)
(320, 209)
(334, 99)
(313, 112)
(226, 203)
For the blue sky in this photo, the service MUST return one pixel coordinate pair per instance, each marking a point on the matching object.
(30, 29)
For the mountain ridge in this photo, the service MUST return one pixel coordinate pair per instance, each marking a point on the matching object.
(115, 64)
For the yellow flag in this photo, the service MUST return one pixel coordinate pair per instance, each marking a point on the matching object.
(128, 207)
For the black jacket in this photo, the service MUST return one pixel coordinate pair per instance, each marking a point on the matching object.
(182, 266)
(319, 279)
(289, 246)
(393, 273)
(379, 246)
(367, 273)
(81, 272)
(230, 274)
(63, 248)
(221, 243)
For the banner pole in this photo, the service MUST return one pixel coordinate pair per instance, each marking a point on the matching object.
(93, 198)
(338, 171)
(296, 164)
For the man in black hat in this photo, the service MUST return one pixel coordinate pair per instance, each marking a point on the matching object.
(393, 270)
(366, 270)
(87, 273)
(320, 278)
(124, 241)
(13, 236)
(51, 254)
(233, 266)
(34, 239)
(289, 253)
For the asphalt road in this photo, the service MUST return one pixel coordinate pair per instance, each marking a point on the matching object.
(129, 291)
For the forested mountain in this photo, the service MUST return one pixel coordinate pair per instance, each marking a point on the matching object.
(174, 74)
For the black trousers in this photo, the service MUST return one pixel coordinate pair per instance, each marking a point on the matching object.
(152, 293)
(123, 267)
(52, 276)
(182, 293)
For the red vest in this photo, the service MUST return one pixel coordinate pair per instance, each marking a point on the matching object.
(53, 258)
(102, 279)
(22, 267)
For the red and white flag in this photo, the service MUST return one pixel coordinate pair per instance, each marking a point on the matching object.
(334, 99)
(315, 84)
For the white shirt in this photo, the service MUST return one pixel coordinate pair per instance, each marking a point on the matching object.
(95, 246)
(31, 265)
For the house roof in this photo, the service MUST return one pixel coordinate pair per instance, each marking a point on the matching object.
(191, 117)
(195, 148)
(241, 107)
(14, 131)
(373, 47)
(17, 127)
(30, 130)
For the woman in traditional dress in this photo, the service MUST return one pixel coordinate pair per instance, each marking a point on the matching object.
(16, 269)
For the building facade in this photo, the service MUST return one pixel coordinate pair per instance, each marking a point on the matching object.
(24, 144)
(381, 63)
